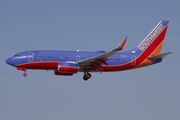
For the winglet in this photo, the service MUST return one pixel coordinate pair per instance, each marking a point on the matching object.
(121, 45)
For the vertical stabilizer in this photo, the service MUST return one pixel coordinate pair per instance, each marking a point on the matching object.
(153, 42)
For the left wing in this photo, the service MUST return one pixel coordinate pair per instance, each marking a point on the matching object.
(97, 61)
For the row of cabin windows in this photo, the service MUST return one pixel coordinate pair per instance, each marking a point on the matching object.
(118, 59)
(77, 58)
(87, 58)
(48, 57)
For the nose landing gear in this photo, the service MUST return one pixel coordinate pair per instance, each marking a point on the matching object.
(25, 74)
(86, 76)
(22, 69)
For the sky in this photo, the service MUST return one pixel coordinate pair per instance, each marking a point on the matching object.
(149, 93)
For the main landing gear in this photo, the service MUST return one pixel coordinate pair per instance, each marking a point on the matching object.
(86, 76)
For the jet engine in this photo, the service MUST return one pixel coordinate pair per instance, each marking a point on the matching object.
(67, 69)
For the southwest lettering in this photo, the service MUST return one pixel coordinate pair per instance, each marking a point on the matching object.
(141, 48)
(148, 40)
(151, 37)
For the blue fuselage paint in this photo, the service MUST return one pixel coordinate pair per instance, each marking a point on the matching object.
(63, 56)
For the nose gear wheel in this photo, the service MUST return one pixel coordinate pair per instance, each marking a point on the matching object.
(25, 74)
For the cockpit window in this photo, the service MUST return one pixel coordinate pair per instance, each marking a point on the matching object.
(17, 56)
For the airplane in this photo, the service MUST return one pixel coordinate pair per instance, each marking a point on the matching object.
(67, 63)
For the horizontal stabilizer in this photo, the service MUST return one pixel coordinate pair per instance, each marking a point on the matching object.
(158, 56)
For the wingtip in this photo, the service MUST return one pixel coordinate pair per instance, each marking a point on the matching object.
(121, 45)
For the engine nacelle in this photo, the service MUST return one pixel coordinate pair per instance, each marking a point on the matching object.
(67, 68)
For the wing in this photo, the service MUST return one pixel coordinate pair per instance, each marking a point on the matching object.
(97, 61)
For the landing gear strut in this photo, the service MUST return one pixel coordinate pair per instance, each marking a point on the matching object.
(86, 76)
(25, 74)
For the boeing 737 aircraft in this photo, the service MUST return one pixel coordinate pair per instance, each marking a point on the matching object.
(68, 63)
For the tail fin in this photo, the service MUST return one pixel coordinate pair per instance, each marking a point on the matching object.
(153, 42)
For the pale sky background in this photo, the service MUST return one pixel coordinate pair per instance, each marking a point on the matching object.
(149, 93)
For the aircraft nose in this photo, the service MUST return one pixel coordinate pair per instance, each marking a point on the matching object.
(9, 61)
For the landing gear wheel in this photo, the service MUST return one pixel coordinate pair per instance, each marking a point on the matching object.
(86, 76)
(25, 74)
